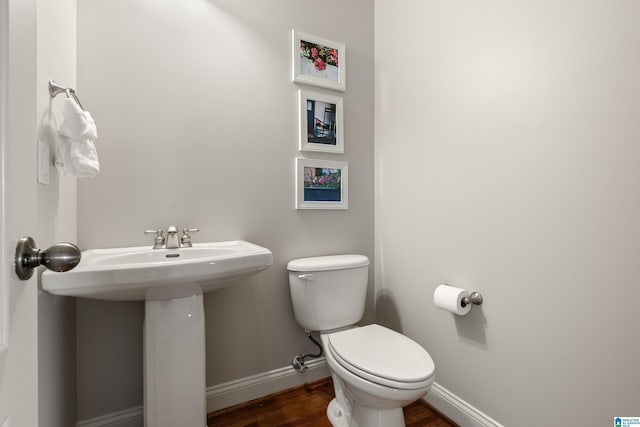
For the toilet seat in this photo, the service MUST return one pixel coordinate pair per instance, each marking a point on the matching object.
(382, 356)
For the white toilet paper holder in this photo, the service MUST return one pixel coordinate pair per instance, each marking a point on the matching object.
(474, 298)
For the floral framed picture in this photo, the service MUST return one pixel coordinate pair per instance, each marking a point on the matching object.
(321, 123)
(318, 62)
(321, 184)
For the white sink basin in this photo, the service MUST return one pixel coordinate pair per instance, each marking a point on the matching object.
(143, 273)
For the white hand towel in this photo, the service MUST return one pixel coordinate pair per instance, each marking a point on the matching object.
(76, 153)
(63, 156)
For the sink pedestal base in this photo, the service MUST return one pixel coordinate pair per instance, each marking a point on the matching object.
(174, 363)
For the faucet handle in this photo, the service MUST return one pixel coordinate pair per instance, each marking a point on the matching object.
(185, 239)
(158, 242)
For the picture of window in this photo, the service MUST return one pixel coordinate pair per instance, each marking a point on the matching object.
(321, 124)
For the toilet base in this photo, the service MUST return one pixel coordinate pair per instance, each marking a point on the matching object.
(336, 415)
(365, 417)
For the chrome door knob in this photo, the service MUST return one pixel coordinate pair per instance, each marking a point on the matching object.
(59, 257)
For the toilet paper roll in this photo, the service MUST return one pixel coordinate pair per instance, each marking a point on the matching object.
(450, 298)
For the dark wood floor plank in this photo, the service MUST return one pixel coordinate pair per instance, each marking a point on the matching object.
(305, 406)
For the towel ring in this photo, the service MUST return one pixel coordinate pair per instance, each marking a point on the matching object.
(55, 90)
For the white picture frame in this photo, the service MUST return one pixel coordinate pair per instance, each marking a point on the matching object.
(321, 184)
(321, 122)
(317, 61)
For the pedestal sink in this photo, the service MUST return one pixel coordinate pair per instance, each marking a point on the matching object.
(171, 282)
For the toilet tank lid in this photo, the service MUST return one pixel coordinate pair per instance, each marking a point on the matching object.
(326, 263)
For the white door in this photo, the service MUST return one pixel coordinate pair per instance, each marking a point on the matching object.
(18, 314)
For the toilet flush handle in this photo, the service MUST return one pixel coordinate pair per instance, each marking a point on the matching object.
(306, 276)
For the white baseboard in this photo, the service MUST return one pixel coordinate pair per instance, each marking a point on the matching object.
(245, 389)
(227, 394)
(131, 417)
(457, 409)
(238, 391)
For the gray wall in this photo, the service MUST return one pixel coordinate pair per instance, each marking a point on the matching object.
(197, 122)
(56, 215)
(507, 161)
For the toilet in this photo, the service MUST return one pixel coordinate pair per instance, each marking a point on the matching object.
(375, 371)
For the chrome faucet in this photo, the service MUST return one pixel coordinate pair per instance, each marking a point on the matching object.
(172, 238)
(172, 241)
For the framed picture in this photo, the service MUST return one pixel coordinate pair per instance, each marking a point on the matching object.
(318, 62)
(321, 123)
(321, 184)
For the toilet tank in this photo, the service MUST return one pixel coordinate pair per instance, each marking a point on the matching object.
(328, 292)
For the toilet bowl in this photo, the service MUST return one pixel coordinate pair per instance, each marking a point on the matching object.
(380, 371)
(375, 370)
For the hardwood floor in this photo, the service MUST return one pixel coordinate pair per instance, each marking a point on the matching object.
(305, 406)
